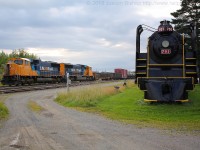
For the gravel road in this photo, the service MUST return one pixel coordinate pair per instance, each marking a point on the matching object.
(59, 128)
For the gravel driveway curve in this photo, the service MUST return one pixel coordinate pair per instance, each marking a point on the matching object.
(59, 128)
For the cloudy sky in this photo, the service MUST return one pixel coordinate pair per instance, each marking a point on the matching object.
(99, 33)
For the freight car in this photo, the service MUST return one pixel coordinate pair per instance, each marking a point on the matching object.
(109, 76)
(26, 71)
(123, 72)
(131, 75)
(167, 71)
(103, 75)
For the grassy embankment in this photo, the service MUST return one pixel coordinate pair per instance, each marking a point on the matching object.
(3, 109)
(127, 106)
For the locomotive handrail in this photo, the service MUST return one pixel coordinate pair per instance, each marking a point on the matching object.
(141, 59)
(165, 64)
(190, 58)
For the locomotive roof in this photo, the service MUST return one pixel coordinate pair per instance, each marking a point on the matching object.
(25, 59)
(21, 59)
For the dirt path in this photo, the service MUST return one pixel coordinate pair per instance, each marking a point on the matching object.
(59, 128)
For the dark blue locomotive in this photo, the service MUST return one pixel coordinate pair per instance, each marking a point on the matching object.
(168, 70)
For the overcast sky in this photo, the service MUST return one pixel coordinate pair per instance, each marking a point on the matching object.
(99, 33)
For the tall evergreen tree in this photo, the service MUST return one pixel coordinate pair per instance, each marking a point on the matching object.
(188, 13)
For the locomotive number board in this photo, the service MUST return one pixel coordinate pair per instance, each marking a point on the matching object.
(165, 51)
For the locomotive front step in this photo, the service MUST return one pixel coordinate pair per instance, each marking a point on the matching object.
(166, 89)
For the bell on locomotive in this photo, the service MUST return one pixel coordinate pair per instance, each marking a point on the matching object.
(167, 71)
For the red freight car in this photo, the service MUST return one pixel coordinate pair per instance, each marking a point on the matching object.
(123, 72)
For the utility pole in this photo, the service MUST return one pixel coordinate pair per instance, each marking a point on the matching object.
(68, 82)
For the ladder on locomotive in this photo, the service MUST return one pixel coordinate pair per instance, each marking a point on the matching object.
(191, 65)
(141, 65)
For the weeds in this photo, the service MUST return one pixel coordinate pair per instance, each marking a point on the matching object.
(35, 107)
(88, 96)
(3, 111)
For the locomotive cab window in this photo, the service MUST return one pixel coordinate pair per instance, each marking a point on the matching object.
(10, 61)
(26, 62)
(19, 62)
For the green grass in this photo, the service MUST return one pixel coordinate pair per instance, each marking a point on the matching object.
(35, 107)
(128, 106)
(3, 109)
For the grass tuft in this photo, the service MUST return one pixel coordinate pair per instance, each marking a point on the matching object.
(35, 107)
(4, 112)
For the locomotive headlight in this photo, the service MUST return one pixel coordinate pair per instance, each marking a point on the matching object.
(165, 43)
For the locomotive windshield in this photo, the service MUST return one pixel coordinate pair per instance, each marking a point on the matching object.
(19, 62)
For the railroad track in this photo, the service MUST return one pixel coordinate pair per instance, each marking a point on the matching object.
(15, 89)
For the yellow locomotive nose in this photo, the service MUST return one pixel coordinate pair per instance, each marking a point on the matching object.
(18, 71)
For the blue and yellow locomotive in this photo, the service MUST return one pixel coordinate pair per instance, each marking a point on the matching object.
(28, 71)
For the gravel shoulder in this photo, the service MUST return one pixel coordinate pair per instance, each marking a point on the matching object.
(59, 128)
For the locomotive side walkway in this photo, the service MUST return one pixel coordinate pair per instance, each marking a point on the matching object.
(60, 128)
